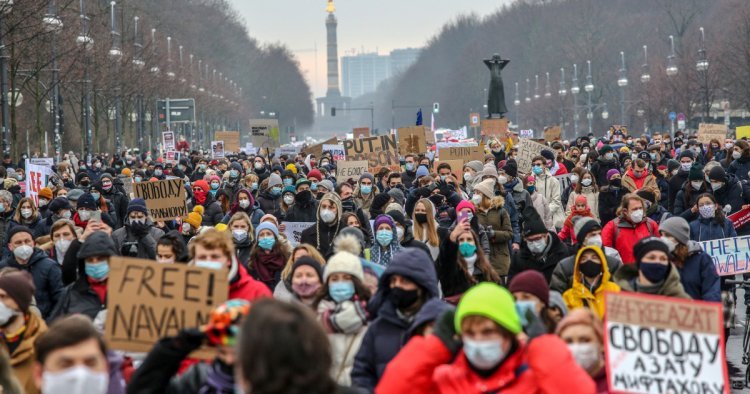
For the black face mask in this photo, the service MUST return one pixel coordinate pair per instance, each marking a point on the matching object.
(403, 299)
(590, 268)
(615, 182)
(303, 196)
(421, 218)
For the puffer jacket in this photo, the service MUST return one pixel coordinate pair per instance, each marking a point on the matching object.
(708, 229)
(627, 278)
(543, 209)
(740, 167)
(683, 205)
(600, 167)
(620, 234)
(521, 198)
(731, 194)
(496, 222)
(609, 200)
(545, 263)
(698, 275)
(580, 295)
(384, 336)
(549, 187)
(302, 211)
(47, 278)
(270, 204)
(562, 276)
(426, 366)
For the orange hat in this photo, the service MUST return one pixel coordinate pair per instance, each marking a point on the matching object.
(46, 193)
(195, 218)
(126, 171)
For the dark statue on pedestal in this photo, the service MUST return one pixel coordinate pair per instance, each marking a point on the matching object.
(496, 95)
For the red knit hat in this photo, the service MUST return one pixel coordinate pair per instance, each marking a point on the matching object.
(315, 174)
(532, 282)
(466, 204)
(202, 184)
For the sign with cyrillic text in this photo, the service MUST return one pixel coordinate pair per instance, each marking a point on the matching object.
(656, 344)
(730, 255)
(346, 170)
(165, 200)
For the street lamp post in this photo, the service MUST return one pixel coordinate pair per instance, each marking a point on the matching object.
(702, 66)
(138, 64)
(54, 25)
(589, 88)
(574, 90)
(86, 43)
(6, 7)
(115, 54)
(536, 87)
(645, 79)
(517, 103)
(562, 92)
(671, 72)
(622, 82)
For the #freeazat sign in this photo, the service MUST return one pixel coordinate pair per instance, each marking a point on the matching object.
(656, 344)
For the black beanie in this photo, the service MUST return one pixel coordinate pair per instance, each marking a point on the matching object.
(380, 200)
(717, 174)
(696, 173)
(532, 223)
(511, 168)
(307, 260)
(649, 244)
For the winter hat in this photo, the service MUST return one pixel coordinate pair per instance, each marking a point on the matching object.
(511, 168)
(612, 173)
(397, 195)
(315, 174)
(289, 189)
(717, 174)
(677, 227)
(19, 286)
(696, 173)
(328, 185)
(581, 316)
(126, 171)
(486, 187)
(214, 178)
(398, 217)
(19, 229)
(74, 194)
(532, 282)
(605, 149)
(532, 223)
(309, 261)
(291, 167)
(87, 201)
(489, 170)
(475, 165)
(367, 175)
(45, 192)
(647, 194)
(301, 181)
(491, 301)
(672, 165)
(644, 156)
(58, 204)
(195, 218)
(381, 219)
(266, 226)
(687, 153)
(428, 313)
(421, 171)
(380, 200)
(556, 301)
(548, 154)
(649, 244)
(466, 204)
(584, 225)
(137, 205)
(344, 262)
(274, 180)
(97, 244)
(269, 216)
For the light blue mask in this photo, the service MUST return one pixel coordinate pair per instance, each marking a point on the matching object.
(276, 191)
(409, 166)
(96, 196)
(97, 271)
(523, 308)
(483, 355)
(266, 243)
(366, 189)
(288, 182)
(341, 291)
(314, 186)
(537, 170)
(467, 249)
(255, 185)
(384, 237)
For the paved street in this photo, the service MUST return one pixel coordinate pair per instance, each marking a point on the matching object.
(734, 345)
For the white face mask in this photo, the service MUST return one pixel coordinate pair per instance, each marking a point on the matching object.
(239, 235)
(483, 354)
(288, 200)
(84, 215)
(502, 180)
(66, 215)
(244, 204)
(467, 176)
(43, 202)
(594, 240)
(26, 213)
(696, 184)
(636, 216)
(75, 380)
(23, 252)
(587, 355)
(6, 313)
(476, 198)
(327, 215)
(574, 178)
(62, 245)
(186, 228)
(736, 155)
(399, 232)
(213, 265)
(537, 246)
(670, 244)
(586, 182)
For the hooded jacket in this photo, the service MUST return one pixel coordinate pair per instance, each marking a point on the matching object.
(525, 260)
(609, 199)
(385, 334)
(549, 187)
(496, 222)
(321, 235)
(580, 295)
(302, 211)
(253, 211)
(600, 167)
(707, 229)
(562, 276)
(118, 199)
(627, 278)
(740, 167)
(269, 203)
(731, 194)
(145, 243)
(698, 275)
(592, 198)
(675, 185)
(47, 279)
(647, 180)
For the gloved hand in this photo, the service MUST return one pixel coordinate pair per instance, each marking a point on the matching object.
(190, 338)
(444, 187)
(532, 324)
(422, 192)
(446, 331)
(727, 209)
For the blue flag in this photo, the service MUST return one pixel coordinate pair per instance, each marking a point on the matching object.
(419, 117)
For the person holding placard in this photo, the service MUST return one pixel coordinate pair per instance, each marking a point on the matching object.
(139, 235)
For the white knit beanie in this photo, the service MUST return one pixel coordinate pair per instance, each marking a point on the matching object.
(344, 262)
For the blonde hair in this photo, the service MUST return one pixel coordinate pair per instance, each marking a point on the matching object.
(290, 261)
(34, 211)
(430, 226)
(242, 216)
(213, 239)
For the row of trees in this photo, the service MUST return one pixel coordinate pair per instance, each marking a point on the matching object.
(209, 56)
(542, 36)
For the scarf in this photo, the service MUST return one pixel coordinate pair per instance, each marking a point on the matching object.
(574, 213)
(200, 197)
(266, 265)
(383, 258)
(347, 317)
(219, 379)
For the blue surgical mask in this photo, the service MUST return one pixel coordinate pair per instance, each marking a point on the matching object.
(97, 271)
(523, 308)
(96, 196)
(266, 243)
(254, 185)
(384, 237)
(467, 249)
(409, 166)
(138, 179)
(234, 174)
(202, 167)
(276, 191)
(483, 355)
(214, 186)
(537, 170)
(366, 189)
(288, 182)
(341, 291)
(314, 186)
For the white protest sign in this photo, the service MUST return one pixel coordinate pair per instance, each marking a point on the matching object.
(168, 143)
(528, 150)
(656, 344)
(564, 180)
(350, 169)
(337, 151)
(217, 149)
(42, 161)
(528, 133)
(293, 231)
(730, 255)
(36, 179)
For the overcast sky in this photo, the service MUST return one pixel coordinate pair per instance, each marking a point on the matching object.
(380, 25)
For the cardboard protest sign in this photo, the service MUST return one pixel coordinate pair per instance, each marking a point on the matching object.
(740, 218)
(730, 255)
(293, 231)
(412, 140)
(346, 170)
(465, 153)
(36, 179)
(527, 150)
(231, 140)
(708, 131)
(337, 151)
(172, 157)
(457, 168)
(381, 151)
(147, 301)
(317, 149)
(656, 344)
(168, 141)
(495, 127)
(552, 133)
(361, 132)
(217, 149)
(165, 200)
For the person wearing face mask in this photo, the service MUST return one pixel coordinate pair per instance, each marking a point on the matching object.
(304, 203)
(365, 192)
(85, 206)
(139, 235)
(549, 187)
(686, 199)
(246, 203)
(171, 249)
(630, 225)
(605, 162)
(27, 215)
(410, 169)
(711, 222)
(62, 235)
(591, 279)
(586, 187)
(192, 225)
(580, 210)
(45, 196)
(306, 278)
(87, 295)
(426, 228)
(214, 182)
(492, 215)
(200, 170)
(472, 174)
(582, 332)
(341, 309)
(652, 272)
(727, 190)
(541, 249)
(269, 196)
(639, 177)
(268, 256)
(489, 357)
(214, 249)
(386, 241)
(404, 231)
(405, 286)
(610, 196)
(532, 295)
(25, 256)
(327, 225)
(232, 184)
(212, 211)
(158, 170)
(19, 326)
(538, 203)
(118, 200)
(686, 160)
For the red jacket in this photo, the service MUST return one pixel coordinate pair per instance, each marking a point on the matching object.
(543, 366)
(247, 288)
(622, 235)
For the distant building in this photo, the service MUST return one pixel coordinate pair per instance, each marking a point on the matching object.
(361, 74)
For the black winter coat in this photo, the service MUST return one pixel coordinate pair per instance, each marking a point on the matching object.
(320, 236)
(524, 260)
(675, 185)
(269, 204)
(740, 168)
(731, 194)
(47, 279)
(609, 200)
(78, 297)
(302, 211)
(600, 167)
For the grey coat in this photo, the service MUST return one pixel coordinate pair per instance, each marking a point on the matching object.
(146, 245)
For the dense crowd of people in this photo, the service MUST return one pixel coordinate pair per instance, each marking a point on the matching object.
(429, 279)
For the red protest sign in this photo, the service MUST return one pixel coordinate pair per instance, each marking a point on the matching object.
(740, 218)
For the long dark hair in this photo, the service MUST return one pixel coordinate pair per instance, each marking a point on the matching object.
(719, 213)
(489, 273)
(284, 350)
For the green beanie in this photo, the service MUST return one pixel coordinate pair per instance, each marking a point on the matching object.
(491, 301)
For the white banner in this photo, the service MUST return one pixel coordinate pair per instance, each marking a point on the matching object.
(36, 179)
(337, 151)
(293, 231)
